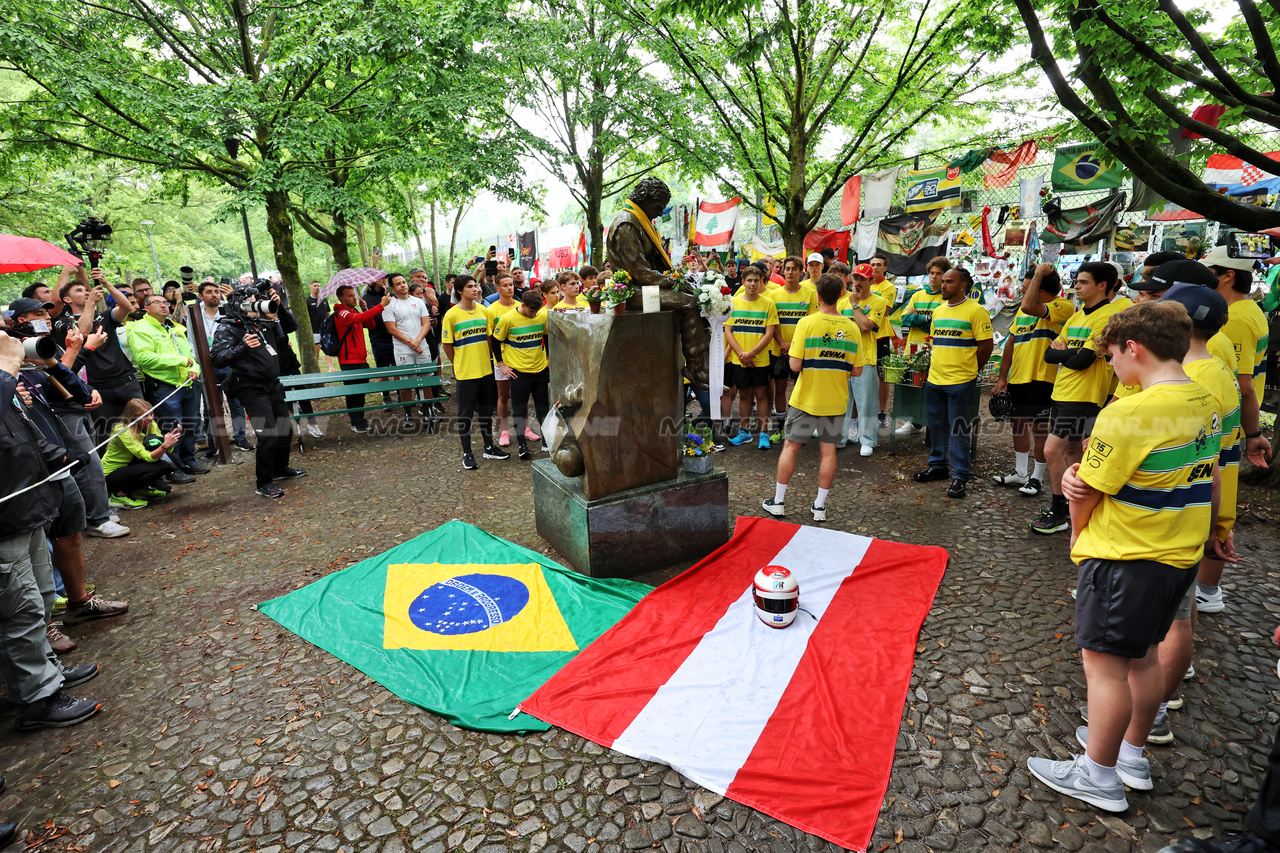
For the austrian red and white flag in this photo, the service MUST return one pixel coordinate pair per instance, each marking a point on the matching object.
(1233, 176)
(716, 221)
(798, 722)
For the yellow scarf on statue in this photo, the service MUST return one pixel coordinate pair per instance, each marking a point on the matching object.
(646, 225)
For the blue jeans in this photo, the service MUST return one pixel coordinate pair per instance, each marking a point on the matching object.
(183, 407)
(863, 391)
(950, 414)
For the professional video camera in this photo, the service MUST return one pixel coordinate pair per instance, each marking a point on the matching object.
(90, 238)
(257, 298)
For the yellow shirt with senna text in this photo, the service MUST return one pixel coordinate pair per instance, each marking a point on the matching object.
(829, 348)
(1093, 384)
(1247, 328)
(1216, 378)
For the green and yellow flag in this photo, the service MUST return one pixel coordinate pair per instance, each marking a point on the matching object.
(458, 621)
(1079, 167)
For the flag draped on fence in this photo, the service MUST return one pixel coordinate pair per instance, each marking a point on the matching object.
(799, 723)
(1079, 167)
(716, 221)
(911, 240)
(1233, 176)
(1082, 225)
(457, 621)
(1002, 166)
(822, 238)
(878, 189)
(851, 200)
(933, 189)
(528, 249)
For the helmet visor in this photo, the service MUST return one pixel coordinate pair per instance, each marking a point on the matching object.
(776, 605)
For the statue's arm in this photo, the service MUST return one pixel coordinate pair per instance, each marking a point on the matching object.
(627, 250)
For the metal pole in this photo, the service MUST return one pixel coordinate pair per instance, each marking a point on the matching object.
(147, 227)
(248, 241)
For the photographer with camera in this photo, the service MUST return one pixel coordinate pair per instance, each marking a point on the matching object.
(211, 304)
(250, 341)
(111, 373)
(163, 353)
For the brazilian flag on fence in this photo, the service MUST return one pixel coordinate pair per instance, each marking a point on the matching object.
(458, 621)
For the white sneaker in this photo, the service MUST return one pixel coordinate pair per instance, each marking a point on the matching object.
(315, 431)
(906, 429)
(819, 512)
(107, 530)
(866, 450)
(114, 517)
(1206, 603)
(1190, 673)
(774, 508)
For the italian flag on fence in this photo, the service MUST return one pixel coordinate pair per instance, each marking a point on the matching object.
(715, 222)
(800, 723)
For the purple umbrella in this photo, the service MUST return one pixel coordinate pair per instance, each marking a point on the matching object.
(357, 277)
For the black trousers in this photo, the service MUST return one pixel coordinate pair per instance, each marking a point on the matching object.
(476, 397)
(269, 416)
(138, 475)
(1264, 817)
(522, 386)
(355, 401)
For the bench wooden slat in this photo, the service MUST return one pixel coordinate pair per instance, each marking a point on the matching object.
(306, 379)
(324, 392)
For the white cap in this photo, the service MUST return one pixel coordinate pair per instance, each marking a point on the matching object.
(1218, 257)
(816, 257)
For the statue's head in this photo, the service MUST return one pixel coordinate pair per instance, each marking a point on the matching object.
(652, 195)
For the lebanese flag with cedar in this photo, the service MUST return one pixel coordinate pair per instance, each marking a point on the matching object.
(715, 222)
(800, 722)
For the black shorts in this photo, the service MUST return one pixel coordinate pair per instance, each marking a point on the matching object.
(71, 515)
(780, 367)
(1124, 607)
(744, 378)
(1031, 400)
(1072, 421)
(883, 347)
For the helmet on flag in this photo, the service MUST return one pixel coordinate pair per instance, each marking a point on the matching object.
(777, 596)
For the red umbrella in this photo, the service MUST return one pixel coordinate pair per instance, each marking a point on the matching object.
(25, 254)
(357, 277)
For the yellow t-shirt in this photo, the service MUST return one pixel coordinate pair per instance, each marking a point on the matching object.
(1247, 328)
(521, 338)
(887, 291)
(875, 309)
(829, 349)
(956, 331)
(1031, 338)
(921, 302)
(1152, 455)
(1216, 378)
(748, 322)
(1093, 384)
(468, 333)
(792, 307)
(1221, 346)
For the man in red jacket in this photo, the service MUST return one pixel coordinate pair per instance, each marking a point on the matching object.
(351, 323)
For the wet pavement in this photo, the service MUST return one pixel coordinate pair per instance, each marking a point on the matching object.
(225, 732)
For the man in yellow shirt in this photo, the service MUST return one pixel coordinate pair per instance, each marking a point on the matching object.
(868, 312)
(752, 326)
(464, 334)
(917, 313)
(962, 343)
(823, 354)
(1080, 387)
(794, 300)
(1247, 328)
(1142, 507)
(1028, 378)
(519, 345)
(887, 291)
(814, 266)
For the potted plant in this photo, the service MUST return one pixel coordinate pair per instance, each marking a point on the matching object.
(594, 294)
(698, 448)
(919, 366)
(894, 365)
(617, 290)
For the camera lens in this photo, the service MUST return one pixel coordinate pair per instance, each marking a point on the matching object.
(188, 274)
(39, 348)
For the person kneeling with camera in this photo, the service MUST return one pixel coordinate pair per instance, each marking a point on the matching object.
(249, 341)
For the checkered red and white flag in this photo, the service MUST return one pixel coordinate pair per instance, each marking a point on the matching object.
(1233, 176)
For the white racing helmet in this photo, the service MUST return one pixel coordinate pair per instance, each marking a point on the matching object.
(777, 595)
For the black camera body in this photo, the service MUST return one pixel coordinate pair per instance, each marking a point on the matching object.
(254, 299)
(90, 238)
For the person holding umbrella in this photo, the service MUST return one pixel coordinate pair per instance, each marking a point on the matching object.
(351, 319)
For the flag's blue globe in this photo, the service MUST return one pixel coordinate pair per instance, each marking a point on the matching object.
(1087, 169)
(468, 603)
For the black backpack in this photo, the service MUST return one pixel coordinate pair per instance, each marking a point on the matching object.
(330, 341)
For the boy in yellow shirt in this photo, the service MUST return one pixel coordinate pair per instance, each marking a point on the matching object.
(752, 326)
(824, 353)
(887, 291)
(794, 299)
(1142, 507)
(519, 345)
(464, 334)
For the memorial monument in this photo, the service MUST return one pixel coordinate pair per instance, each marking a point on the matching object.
(613, 498)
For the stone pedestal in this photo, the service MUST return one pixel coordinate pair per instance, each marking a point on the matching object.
(634, 531)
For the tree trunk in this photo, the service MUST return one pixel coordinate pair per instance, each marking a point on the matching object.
(417, 232)
(377, 237)
(453, 237)
(362, 245)
(280, 227)
(341, 243)
(435, 251)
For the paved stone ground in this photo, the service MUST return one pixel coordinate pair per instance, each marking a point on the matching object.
(225, 732)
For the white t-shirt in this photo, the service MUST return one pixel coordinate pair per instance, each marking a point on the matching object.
(408, 315)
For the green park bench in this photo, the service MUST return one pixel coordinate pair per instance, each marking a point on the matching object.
(324, 386)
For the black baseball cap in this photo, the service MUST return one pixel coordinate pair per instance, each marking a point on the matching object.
(1180, 272)
(25, 305)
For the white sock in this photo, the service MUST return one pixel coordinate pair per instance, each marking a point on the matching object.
(1129, 752)
(822, 498)
(1099, 774)
(1020, 464)
(1164, 710)
(1040, 470)
(780, 493)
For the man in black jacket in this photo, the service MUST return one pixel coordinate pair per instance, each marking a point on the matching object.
(34, 680)
(251, 342)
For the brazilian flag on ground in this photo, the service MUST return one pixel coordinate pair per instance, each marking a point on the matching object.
(458, 621)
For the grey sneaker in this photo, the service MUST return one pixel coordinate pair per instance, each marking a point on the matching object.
(56, 712)
(1136, 774)
(1071, 778)
(1160, 732)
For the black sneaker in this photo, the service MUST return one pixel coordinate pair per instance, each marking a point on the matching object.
(360, 429)
(242, 444)
(269, 490)
(1051, 522)
(74, 676)
(57, 711)
(179, 478)
(524, 453)
(290, 474)
(1031, 487)
(469, 462)
(407, 424)
(495, 453)
(930, 474)
(196, 469)
(956, 489)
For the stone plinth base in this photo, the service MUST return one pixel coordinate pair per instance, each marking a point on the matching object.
(635, 531)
